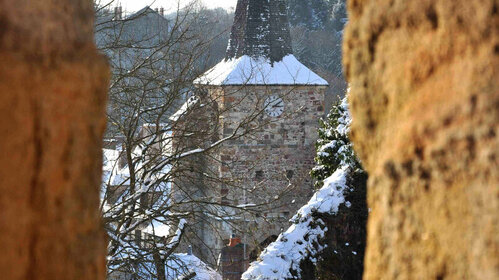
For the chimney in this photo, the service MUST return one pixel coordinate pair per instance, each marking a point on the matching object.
(162, 11)
(120, 8)
(234, 241)
(232, 259)
(189, 250)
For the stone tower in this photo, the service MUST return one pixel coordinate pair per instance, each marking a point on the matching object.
(265, 93)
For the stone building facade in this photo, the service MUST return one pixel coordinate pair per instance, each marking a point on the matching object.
(268, 107)
(269, 167)
(278, 152)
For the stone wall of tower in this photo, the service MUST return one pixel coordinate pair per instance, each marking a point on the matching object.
(193, 187)
(271, 164)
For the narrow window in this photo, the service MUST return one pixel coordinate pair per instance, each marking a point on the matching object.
(259, 175)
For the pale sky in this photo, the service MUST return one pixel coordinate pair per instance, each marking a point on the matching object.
(134, 5)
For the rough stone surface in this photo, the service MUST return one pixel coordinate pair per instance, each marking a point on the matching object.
(266, 165)
(425, 98)
(52, 95)
(274, 158)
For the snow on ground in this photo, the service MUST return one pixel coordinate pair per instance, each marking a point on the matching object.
(247, 70)
(300, 241)
(181, 266)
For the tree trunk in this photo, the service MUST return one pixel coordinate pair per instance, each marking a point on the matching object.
(159, 263)
(53, 88)
(424, 79)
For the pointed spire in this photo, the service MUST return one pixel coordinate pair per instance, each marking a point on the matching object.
(236, 42)
(260, 29)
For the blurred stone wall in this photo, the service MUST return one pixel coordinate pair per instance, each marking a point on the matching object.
(425, 97)
(53, 88)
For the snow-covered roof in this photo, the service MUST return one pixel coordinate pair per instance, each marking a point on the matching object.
(158, 228)
(177, 267)
(191, 101)
(113, 174)
(247, 70)
(259, 50)
(180, 266)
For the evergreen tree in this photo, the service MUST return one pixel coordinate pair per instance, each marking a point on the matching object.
(312, 14)
(333, 146)
(318, 14)
(338, 14)
(344, 256)
(328, 238)
(317, 32)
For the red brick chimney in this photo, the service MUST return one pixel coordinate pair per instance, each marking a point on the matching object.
(234, 241)
(232, 259)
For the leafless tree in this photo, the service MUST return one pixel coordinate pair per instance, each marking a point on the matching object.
(160, 178)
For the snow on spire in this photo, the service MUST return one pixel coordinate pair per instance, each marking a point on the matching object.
(260, 29)
(259, 50)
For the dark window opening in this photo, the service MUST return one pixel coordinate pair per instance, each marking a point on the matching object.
(259, 175)
(224, 193)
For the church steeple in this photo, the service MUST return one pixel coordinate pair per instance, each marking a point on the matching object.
(259, 51)
(260, 29)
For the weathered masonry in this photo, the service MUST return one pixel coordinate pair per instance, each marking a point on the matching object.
(261, 89)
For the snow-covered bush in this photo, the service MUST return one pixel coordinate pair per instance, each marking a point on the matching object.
(327, 237)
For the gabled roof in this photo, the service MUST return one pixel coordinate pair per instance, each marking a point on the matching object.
(144, 28)
(146, 11)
